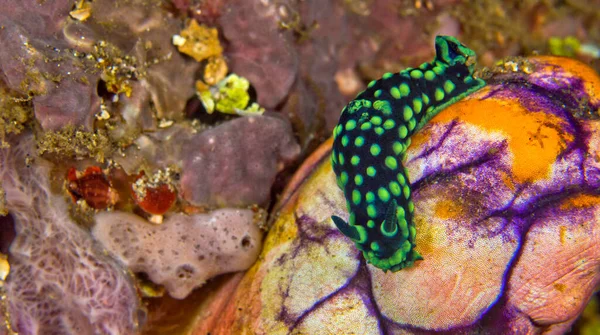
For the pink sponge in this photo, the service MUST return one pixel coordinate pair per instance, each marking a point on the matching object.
(184, 251)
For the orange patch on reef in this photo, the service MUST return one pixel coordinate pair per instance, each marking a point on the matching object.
(576, 68)
(580, 201)
(507, 180)
(534, 137)
(447, 209)
(563, 233)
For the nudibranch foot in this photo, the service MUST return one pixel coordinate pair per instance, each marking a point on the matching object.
(370, 143)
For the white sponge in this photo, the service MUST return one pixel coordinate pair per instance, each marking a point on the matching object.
(185, 250)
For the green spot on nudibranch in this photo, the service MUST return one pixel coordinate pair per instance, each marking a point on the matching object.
(344, 178)
(371, 211)
(345, 140)
(417, 105)
(359, 141)
(406, 191)
(398, 147)
(387, 75)
(356, 105)
(384, 106)
(355, 160)
(411, 206)
(379, 131)
(356, 197)
(375, 149)
(389, 124)
(350, 124)
(400, 212)
(401, 179)
(439, 94)
(372, 83)
(412, 124)
(416, 74)
(383, 194)
(404, 89)
(338, 129)
(402, 132)
(391, 162)
(395, 92)
(370, 197)
(449, 86)
(376, 120)
(408, 113)
(352, 218)
(341, 158)
(371, 224)
(395, 189)
(375, 246)
(358, 180)
(439, 70)
(425, 98)
(371, 171)
(429, 75)
(366, 126)
(377, 93)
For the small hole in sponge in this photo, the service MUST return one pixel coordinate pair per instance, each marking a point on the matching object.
(246, 242)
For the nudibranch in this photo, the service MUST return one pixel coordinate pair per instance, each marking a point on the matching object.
(370, 142)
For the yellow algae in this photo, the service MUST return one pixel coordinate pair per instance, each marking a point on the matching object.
(534, 138)
(215, 70)
(198, 41)
(71, 142)
(563, 233)
(559, 287)
(284, 230)
(82, 10)
(447, 209)
(580, 201)
(429, 237)
(507, 180)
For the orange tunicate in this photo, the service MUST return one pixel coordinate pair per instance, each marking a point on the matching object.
(92, 186)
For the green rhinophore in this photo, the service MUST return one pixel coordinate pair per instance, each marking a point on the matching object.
(374, 132)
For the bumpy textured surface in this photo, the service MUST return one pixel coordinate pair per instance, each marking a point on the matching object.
(507, 212)
(370, 142)
(184, 251)
(60, 281)
(235, 164)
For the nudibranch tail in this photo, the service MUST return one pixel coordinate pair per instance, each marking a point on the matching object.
(370, 143)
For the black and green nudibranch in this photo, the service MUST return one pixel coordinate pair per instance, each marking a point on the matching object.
(370, 143)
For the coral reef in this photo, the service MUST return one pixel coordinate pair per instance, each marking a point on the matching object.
(128, 88)
(184, 251)
(60, 281)
(507, 211)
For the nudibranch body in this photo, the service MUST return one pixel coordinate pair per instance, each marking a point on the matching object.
(370, 142)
